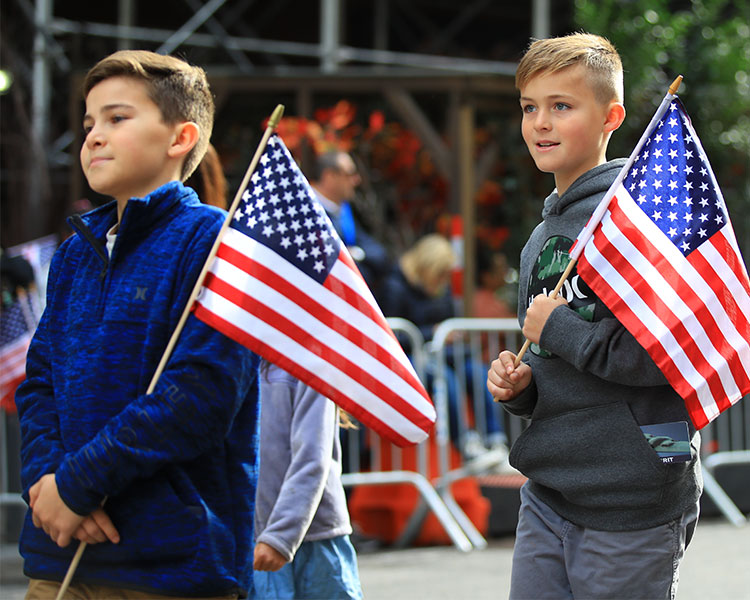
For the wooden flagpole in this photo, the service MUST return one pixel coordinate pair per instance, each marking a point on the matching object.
(273, 121)
(671, 91)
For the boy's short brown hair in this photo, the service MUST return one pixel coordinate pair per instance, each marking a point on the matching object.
(595, 53)
(179, 89)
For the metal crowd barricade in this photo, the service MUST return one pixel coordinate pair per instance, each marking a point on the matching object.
(726, 441)
(12, 505)
(464, 347)
(374, 473)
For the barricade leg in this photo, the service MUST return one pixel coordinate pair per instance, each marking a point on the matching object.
(430, 496)
(714, 491)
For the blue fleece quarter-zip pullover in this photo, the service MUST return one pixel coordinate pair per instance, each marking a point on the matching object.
(179, 466)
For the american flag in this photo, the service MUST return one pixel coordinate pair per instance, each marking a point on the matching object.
(284, 285)
(17, 325)
(661, 253)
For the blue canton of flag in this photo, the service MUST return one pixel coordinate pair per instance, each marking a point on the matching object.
(672, 184)
(282, 213)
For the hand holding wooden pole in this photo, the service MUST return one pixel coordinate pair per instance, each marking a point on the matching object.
(553, 294)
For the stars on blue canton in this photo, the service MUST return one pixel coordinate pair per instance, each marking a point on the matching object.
(15, 321)
(279, 210)
(673, 185)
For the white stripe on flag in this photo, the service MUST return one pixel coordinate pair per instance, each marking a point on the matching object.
(13, 359)
(692, 280)
(311, 361)
(660, 287)
(334, 303)
(649, 320)
(726, 273)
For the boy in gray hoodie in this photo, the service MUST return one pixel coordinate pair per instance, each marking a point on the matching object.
(601, 516)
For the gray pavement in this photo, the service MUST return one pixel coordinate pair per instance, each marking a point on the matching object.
(716, 567)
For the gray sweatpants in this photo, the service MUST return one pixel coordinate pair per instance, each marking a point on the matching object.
(553, 558)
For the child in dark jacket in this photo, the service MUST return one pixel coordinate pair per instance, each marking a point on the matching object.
(177, 467)
(601, 515)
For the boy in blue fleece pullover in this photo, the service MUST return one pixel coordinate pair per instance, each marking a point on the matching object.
(177, 467)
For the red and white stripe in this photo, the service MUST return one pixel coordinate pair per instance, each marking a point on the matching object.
(332, 336)
(13, 367)
(692, 314)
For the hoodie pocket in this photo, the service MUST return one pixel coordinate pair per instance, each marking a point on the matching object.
(596, 457)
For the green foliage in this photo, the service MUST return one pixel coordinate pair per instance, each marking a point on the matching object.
(706, 41)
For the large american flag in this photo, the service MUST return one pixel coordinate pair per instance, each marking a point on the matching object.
(284, 285)
(664, 258)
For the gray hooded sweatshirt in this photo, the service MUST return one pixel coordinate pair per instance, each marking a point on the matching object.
(299, 496)
(592, 388)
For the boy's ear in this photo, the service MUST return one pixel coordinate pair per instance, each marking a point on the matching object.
(185, 138)
(615, 116)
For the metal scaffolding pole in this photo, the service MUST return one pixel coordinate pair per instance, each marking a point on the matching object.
(40, 103)
(330, 27)
(125, 19)
(540, 19)
(190, 26)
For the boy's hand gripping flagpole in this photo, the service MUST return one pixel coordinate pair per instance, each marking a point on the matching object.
(597, 215)
(272, 123)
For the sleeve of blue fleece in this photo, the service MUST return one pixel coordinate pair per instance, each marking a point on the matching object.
(190, 411)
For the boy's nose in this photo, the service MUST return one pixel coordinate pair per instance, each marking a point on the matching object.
(94, 138)
(542, 121)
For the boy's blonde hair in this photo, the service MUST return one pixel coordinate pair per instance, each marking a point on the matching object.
(595, 53)
(179, 89)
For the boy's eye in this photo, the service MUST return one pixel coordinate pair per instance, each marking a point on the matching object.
(528, 108)
(562, 106)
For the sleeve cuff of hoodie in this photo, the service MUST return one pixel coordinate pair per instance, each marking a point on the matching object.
(523, 404)
(277, 545)
(560, 331)
(75, 490)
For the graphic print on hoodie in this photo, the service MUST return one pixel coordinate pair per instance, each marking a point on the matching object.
(545, 274)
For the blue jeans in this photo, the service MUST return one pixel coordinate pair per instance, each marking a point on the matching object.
(320, 569)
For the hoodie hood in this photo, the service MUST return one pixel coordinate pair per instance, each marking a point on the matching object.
(593, 181)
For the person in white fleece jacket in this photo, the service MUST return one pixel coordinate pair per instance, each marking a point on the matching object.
(302, 523)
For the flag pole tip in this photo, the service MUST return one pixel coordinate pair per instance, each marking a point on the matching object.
(675, 85)
(276, 116)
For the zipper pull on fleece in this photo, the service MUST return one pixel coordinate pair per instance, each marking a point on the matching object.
(80, 226)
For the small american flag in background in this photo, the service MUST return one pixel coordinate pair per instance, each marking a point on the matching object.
(284, 285)
(19, 317)
(665, 260)
(17, 325)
